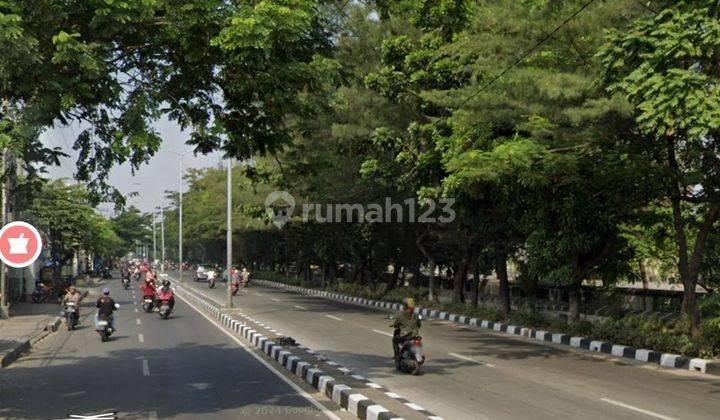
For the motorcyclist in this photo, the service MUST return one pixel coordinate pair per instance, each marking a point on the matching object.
(148, 288)
(73, 295)
(407, 326)
(165, 292)
(234, 281)
(106, 307)
(245, 275)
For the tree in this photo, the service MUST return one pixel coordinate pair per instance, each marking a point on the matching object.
(666, 67)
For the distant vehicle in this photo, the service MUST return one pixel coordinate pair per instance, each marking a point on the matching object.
(200, 274)
(71, 316)
(126, 283)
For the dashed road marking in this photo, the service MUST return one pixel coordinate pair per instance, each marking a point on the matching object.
(469, 359)
(636, 409)
(141, 338)
(146, 367)
(275, 300)
(383, 333)
(300, 307)
(333, 317)
(137, 321)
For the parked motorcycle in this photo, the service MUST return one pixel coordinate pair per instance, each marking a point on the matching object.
(147, 304)
(164, 311)
(411, 356)
(71, 315)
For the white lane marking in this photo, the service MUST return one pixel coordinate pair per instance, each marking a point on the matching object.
(383, 333)
(300, 307)
(141, 338)
(393, 395)
(146, 368)
(276, 300)
(333, 317)
(136, 310)
(460, 356)
(414, 406)
(258, 294)
(152, 415)
(137, 321)
(292, 384)
(639, 410)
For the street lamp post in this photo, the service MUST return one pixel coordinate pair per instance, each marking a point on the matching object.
(229, 233)
(154, 237)
(180, 220)
(162, 235)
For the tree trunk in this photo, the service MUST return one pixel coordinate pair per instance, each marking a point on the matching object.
(474, 285)
(431, 281)
(461, 274)
(574, 302)
(500, 263)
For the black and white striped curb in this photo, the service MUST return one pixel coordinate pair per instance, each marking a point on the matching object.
(666, 360)
(347, 397)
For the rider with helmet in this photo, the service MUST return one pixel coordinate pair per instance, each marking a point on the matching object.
(407, 326)
(106, 307)
(165, 293)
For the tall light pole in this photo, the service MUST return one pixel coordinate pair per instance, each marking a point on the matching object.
(229, 232)
(180, 207)
(154, 216)
(180, 217)
(162, 235)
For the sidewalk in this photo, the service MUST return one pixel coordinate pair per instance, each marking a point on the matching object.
(30, 323)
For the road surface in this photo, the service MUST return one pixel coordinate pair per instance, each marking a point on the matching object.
(476, 374)
(180, 368)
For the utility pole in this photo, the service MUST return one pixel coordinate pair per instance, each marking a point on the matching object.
(4, 312)
(162, 235)
(154, 214)
(180, 220)
(229, 233)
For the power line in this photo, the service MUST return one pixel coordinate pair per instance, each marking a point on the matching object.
(527, 53)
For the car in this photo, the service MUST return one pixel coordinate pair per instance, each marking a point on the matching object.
(202, 273)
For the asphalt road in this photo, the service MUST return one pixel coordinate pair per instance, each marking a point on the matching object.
(182, 368)
(476, 374)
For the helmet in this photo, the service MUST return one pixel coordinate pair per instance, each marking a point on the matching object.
(106, 291)
(409, 303)
(166, 282)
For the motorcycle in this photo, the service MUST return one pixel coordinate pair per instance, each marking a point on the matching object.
(41, 293)
(102, 326)
(211, 279)
(106, 274)
(234, 287)
(164, 311)
(126, 283)
(147, 304)
(411, 356)
(71, 315)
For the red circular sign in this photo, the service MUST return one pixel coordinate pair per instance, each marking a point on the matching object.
(20, 244)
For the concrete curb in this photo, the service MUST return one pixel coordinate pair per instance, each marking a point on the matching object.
(23, 347)
(348, 398)
(665, 360)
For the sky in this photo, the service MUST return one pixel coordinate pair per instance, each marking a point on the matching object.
(161, 173)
